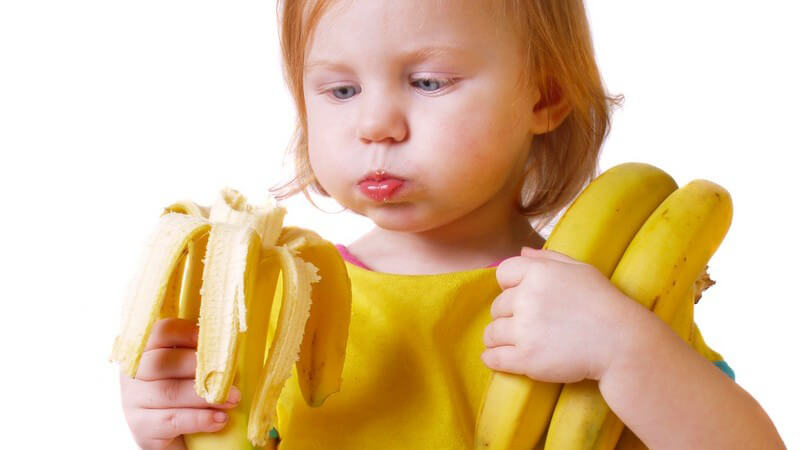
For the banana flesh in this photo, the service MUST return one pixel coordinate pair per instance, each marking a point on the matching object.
(232, 207)
(219, 266)
(596, 229)
(665, 260)
(189, 305)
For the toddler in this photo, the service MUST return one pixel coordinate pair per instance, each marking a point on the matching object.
(455, 125)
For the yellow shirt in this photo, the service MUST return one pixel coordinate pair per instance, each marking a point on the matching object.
(413, 377)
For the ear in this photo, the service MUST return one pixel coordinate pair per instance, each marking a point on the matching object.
(550, 108)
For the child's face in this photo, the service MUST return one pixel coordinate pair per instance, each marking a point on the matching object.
(461, 147)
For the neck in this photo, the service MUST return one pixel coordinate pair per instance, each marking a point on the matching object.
(468, 243)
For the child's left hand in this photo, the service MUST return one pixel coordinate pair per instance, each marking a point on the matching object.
(557, 320)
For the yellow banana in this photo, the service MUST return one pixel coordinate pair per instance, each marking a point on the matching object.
(662, 263)
(596, 229)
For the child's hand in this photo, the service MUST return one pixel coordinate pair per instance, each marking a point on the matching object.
(557, 320)
(160, 404)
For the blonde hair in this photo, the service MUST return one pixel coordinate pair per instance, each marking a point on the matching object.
(558, 58)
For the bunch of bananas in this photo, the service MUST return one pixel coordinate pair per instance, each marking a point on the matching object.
(654, 242)
(220, 266)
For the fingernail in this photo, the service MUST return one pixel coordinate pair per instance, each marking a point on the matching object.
(220, 417)
(234, 395)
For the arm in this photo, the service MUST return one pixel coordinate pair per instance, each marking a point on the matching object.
(672, 397)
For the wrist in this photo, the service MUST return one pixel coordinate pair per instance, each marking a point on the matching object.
(635, 340)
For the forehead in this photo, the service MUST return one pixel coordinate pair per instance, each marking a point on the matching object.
(369, 29)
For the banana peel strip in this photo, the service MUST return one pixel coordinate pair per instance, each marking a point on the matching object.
(295, 308)
(187, 207)
(146, 291)
(231, 263)
(324, 346)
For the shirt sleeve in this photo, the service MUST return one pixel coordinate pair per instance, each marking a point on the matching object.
(698, 343)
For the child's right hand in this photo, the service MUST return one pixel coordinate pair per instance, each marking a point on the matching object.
(160, 404)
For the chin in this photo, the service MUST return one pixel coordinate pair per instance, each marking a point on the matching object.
(400, 217)
(394, 217)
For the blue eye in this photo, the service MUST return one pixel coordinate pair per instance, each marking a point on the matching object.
(433, 81)
(436, 83)
(339, 89)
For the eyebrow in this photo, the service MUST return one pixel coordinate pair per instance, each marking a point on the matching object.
(419, 54)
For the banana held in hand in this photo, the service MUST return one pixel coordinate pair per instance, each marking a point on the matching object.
(595, 229)
(663, 262)
(220, 267)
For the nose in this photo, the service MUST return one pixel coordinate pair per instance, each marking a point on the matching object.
(381, 117)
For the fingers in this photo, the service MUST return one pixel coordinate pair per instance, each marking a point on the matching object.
(502, 305)
(176, 394)
(161, 363)
(499, 332)
(160, 424)
(549, 254)
(504, 359)
(172, 332)
(531, 263)
(510, 272)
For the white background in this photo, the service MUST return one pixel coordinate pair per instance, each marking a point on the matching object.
(110, 110)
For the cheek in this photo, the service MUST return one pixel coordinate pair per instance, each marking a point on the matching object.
(323, 161)
(474, 149)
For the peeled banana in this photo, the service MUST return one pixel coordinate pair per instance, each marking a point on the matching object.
(596, 229)
(663, 262)
(220, 266)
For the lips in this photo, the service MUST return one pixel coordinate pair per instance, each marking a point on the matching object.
(379, 176)
(380, 186)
